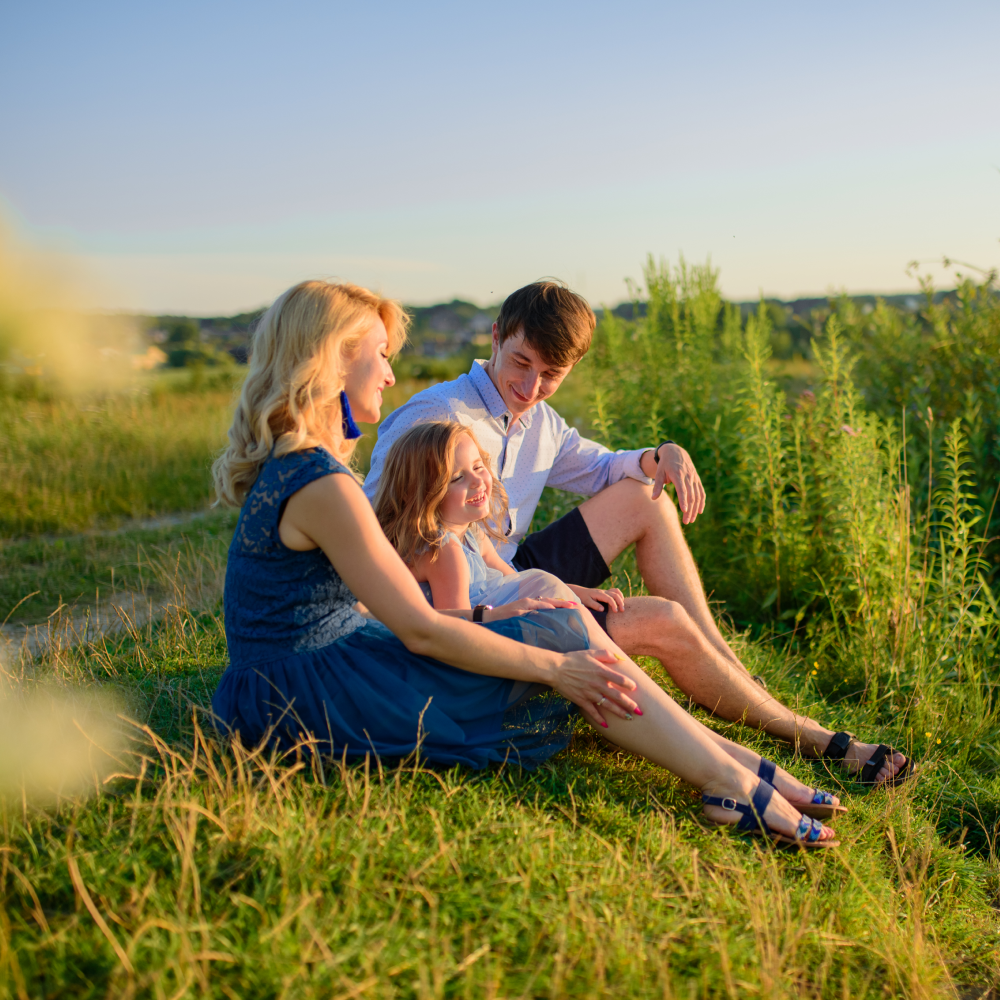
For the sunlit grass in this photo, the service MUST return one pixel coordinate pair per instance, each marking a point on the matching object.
(67, 466)
(219, 872)
(594, 876)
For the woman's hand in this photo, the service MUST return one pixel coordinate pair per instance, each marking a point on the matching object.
(595, 598)
(584, 678)
(525, 606)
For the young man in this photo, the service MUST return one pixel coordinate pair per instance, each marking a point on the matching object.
(542, 331)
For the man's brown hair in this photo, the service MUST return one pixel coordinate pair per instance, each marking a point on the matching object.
(557, 323)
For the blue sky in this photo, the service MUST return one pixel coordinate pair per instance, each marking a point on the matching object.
(201, 157)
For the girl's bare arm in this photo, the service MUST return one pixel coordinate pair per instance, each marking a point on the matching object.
(491, 557)
(448, 576)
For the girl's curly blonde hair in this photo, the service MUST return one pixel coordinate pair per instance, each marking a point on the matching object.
(291, 397)
(414, 481)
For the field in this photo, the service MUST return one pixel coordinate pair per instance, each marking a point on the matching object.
(846, 541)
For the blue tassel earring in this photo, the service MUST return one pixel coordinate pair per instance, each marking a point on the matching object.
(351, 430)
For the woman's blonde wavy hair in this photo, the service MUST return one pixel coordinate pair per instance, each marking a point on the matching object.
(414, 481)
(291, 397)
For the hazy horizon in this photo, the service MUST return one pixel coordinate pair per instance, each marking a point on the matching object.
(488, 306)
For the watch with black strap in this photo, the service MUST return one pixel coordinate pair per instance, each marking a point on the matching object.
(477, 612)
(656, 454)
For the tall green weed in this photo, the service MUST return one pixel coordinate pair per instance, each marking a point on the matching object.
(929, 367)
(811, 529)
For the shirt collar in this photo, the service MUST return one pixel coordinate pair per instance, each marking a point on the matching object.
(491, 397)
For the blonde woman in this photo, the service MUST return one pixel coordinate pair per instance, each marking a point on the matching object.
(308, 546)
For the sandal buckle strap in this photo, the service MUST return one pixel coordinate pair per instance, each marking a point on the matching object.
(838, 746)
(753, 814)
(728, 803)
(766, 770)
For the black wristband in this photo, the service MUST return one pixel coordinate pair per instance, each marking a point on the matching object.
(477, 613)
(656, 454)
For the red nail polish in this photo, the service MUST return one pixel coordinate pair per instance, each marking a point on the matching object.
(637, 710)
(604, 724)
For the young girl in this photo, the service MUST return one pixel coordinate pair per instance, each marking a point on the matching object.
(440, 507)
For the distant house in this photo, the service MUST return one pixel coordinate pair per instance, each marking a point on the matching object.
(153, 358)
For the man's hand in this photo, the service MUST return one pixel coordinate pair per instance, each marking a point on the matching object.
(595, 598)
(675, 466)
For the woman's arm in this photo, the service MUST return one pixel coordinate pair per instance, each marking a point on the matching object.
(334, 514)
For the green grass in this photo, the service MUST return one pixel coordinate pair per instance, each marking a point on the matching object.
(595, 876)
(67, 467)
(39, 575)
(198, 870)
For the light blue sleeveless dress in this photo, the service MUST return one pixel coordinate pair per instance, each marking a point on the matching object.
(303, 661)
(490, 586)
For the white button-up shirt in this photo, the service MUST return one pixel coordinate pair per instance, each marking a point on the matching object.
(537, 450)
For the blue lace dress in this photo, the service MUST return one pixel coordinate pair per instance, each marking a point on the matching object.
(303, 662)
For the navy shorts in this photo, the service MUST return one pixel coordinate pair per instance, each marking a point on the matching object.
(566, 550)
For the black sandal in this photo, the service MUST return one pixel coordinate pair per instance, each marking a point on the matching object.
(837, 749)
(821, 807)
(808, 832)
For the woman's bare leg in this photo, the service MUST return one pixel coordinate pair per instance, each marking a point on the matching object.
(667, 735)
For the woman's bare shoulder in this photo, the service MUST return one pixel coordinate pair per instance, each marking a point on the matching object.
(325, 508)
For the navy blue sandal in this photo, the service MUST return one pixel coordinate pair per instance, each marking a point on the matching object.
(807, 834)
(837, 749)
(821, 807)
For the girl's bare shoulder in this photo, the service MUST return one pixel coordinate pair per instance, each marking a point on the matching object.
(443, 560)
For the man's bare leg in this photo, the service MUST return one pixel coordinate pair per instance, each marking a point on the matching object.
(625, 513)
(653, 626)
(698, 658)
